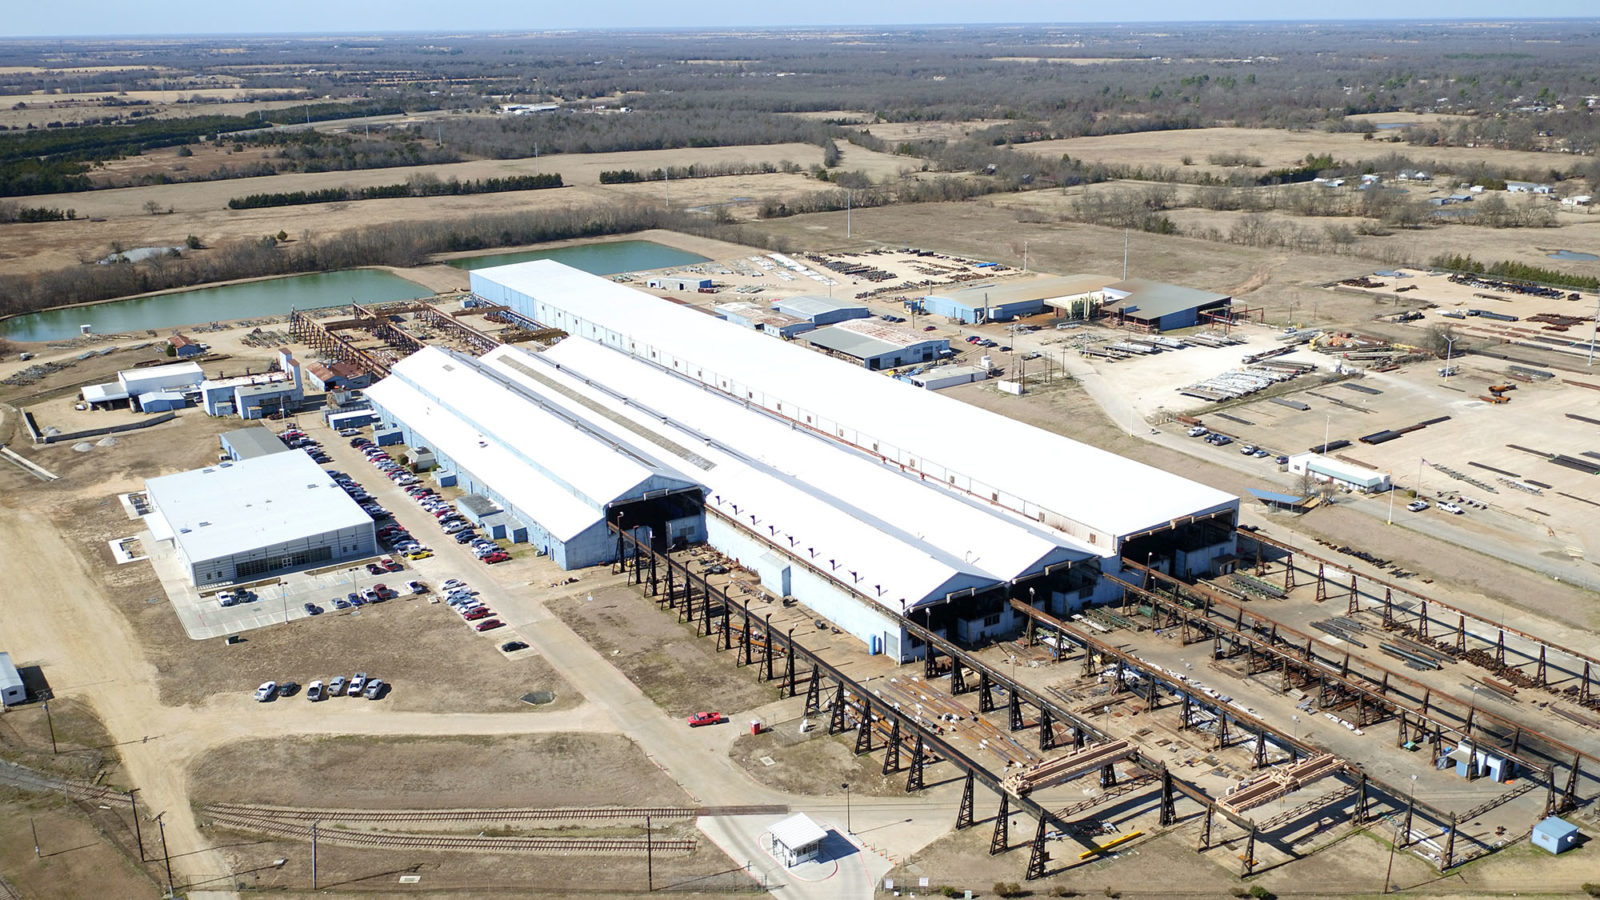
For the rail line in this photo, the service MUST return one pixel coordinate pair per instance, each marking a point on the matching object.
(510, 814)
(29, 780)
(388, 841)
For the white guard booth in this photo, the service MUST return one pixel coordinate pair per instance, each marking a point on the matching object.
(796, 839)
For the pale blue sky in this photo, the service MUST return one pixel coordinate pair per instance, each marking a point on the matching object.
(26, 18)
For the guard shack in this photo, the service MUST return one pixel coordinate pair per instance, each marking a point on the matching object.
(1555, 834)
(796, 839)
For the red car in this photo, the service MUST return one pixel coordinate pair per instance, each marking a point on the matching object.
(706, 718)
(390, 565)
(482, 612)
(489, 625)
(496, 558)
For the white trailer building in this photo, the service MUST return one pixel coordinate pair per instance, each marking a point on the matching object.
(1338, 472)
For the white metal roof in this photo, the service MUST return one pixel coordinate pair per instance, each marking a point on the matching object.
(1023, 290)
(808, 306)
(136, 381)
(543, 462)
(797, 831)
(104, 393)
(884, 533)
(235, 508)
(1088, 492)
(562, 514)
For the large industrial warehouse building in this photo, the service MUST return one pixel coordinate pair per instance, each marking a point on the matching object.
(863, 497)
(236, 522)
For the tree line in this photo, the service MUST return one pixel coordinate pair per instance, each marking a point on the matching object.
(421, 186)
(57, 160)
(1515, 271)
(716, 170)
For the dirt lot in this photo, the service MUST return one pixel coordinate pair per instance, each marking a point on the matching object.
(435, 772)
(83, 750)
(353, 872)
(815, 765)
(83, 851)
(682, 673)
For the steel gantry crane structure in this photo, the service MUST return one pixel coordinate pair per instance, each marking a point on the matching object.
(1341, 679)
(749, 635)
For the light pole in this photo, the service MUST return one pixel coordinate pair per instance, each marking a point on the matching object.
(847, 828)
(1449, 348)
(1387, 885)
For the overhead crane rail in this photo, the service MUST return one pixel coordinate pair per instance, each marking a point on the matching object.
(1225, 618)
(699, 602)
(1591, 664)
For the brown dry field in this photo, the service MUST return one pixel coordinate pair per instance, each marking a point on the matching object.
(1276, 148)
(434, 772)
(1527, 245)
(815, 764)
(207, 158)
(902, 131)
(40, 109)
(83, 851)
(681, 672)
(83, 750)
(201, 207)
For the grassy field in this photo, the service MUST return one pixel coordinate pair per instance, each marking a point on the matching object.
(1275, 149)
(200, 208)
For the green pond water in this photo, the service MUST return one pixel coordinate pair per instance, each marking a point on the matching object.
(273, 297)
(277, 296)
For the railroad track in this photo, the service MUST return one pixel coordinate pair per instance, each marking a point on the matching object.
(512, 814)
(378, 840)
(29, 780)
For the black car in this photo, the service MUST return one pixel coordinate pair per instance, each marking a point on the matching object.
(287, 689)
(313, 610)
(513, 646)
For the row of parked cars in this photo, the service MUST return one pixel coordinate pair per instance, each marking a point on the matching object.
(454, 525)
(299, 440)
(1222, 440)
(359, 686)
(464, 600)
(236, 597)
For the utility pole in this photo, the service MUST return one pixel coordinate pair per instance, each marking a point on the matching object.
(50, 720)
(649, 857)
(313, 855)
(35, 829)
(1593, 332)
(1124, 254)
(666, 186)
(1024, 257)
(138, 836)
(166, 856)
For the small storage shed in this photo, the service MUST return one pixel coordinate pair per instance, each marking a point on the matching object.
(12, 690)
(796, 839)
(1555, 834)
